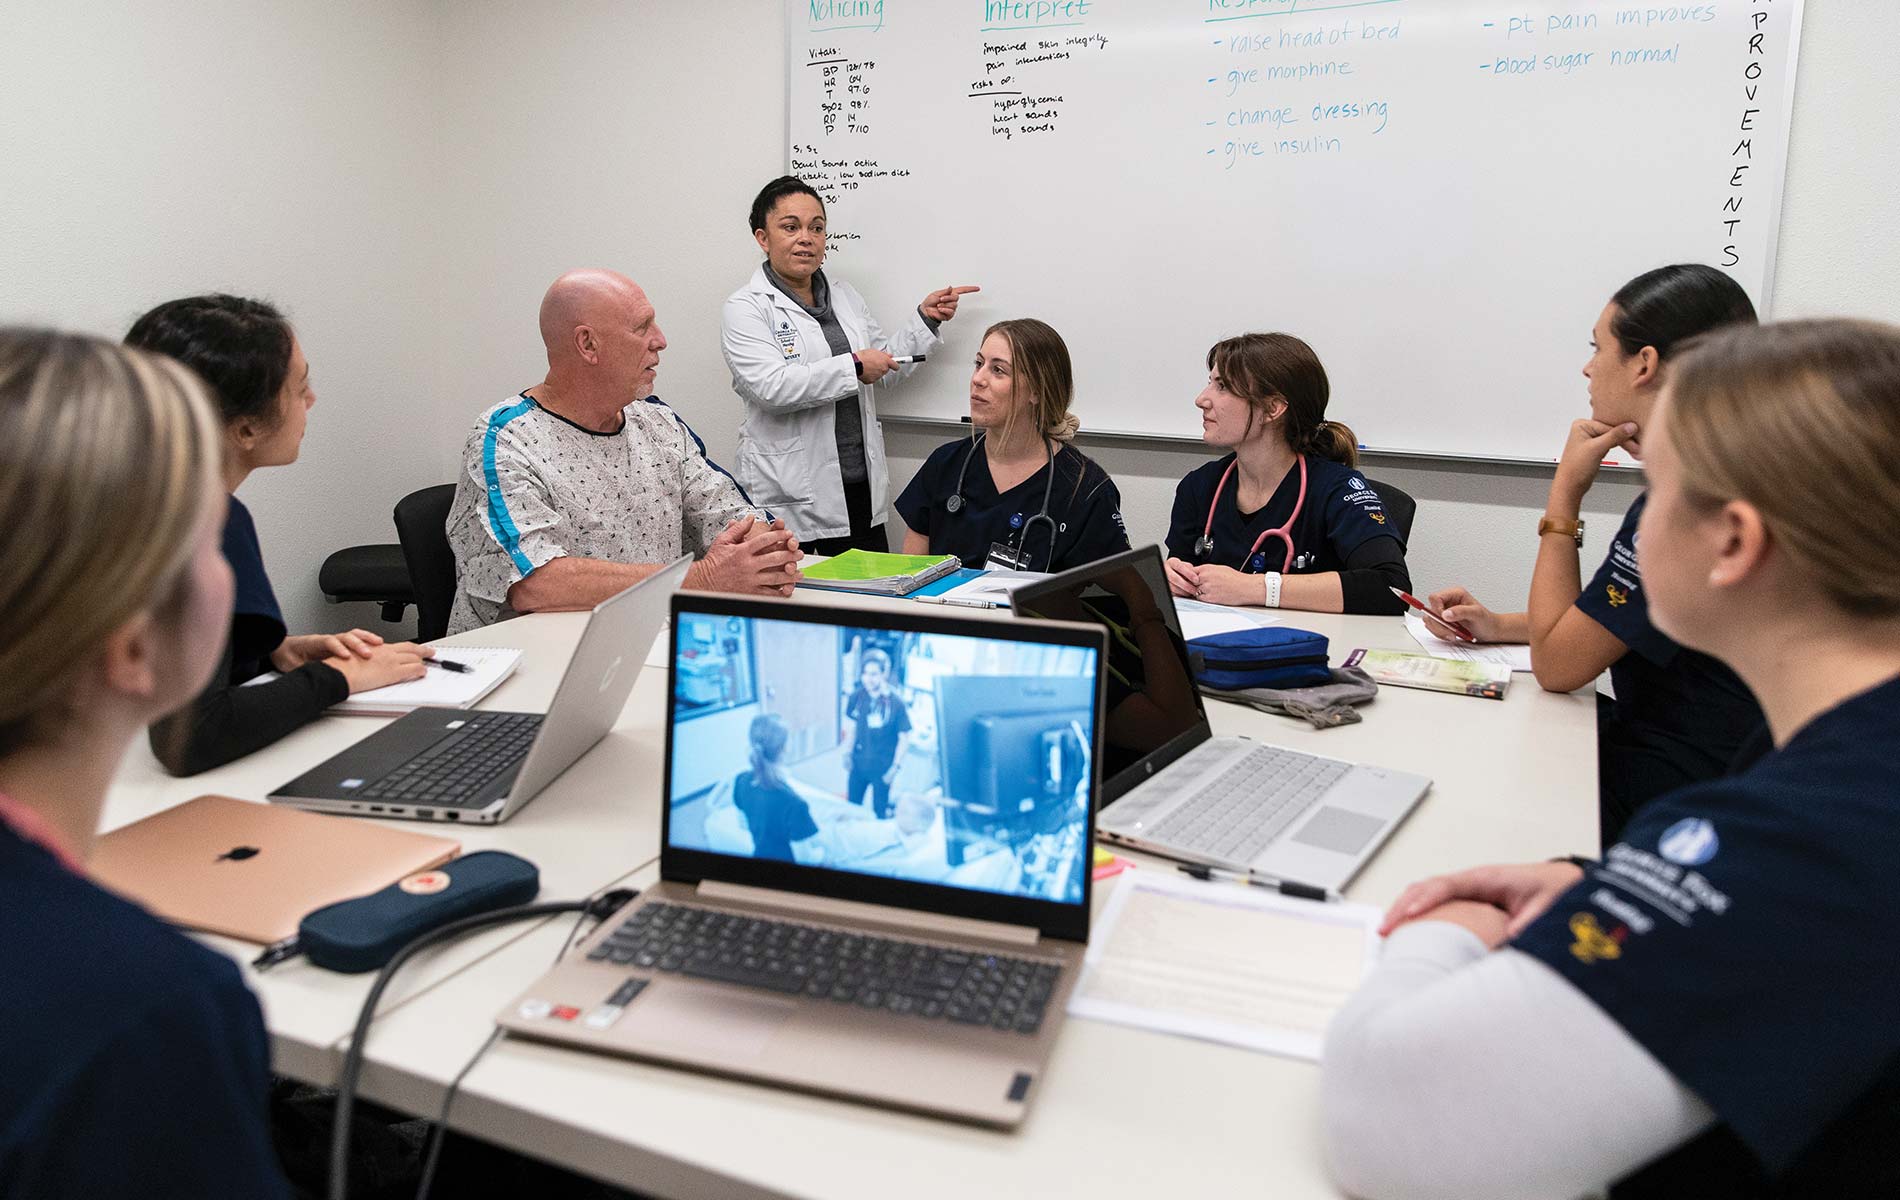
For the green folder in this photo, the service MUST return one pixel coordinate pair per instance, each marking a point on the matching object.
(879, 574)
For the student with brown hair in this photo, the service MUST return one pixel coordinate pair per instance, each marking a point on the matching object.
(134, 1059)
(1708, 1010)
(1015, 494)
(1283, 519)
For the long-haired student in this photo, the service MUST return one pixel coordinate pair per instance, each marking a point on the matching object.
(1708, 1011)
(132, 1060)
(1015, 494)
(1283, 519)
(1679, 716)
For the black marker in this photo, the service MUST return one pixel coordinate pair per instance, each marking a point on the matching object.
(1286, 887)
(907, 358)
(460, 668)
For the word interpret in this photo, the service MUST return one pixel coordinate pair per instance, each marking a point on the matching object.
(1031, 13)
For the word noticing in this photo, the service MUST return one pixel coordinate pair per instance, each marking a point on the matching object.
(834, 14)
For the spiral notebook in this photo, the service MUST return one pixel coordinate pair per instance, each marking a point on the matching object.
(439, 688)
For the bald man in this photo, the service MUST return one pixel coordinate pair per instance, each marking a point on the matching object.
(586, 483)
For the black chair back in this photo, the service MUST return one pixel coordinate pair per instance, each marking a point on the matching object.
(1399, 507)
(422, 519)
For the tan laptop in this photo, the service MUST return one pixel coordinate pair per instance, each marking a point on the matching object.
(910, 947)
(250, 870)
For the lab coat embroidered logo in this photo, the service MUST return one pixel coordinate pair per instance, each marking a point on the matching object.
(1593, 943)
(1618, 596)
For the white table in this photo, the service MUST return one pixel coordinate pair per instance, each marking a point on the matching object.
(1123, 1112)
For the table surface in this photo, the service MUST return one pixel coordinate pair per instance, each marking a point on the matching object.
(1513, 781)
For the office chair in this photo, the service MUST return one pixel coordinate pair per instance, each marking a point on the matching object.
(377, 574)
(1399, 507)
(421, 525)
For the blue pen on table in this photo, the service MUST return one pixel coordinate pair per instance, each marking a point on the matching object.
(1286, 887)
(447, 664)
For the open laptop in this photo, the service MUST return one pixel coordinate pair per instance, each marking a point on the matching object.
(921, 959)
(480, 767)
(251, 870)
(1174, 789)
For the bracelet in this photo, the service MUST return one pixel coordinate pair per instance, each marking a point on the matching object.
(857, 365)
(1586, 865)
(1273, 588)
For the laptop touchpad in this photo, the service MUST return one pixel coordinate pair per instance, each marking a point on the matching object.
(1339, 829)
(718, 1024)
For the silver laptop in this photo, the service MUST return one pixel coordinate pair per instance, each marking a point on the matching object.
(911, 948)
(1172, 787)
(477, 766)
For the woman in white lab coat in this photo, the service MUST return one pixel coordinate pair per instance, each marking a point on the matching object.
(805, 353)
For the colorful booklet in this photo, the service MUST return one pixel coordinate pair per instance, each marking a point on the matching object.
(878, 574)
(1401, 668)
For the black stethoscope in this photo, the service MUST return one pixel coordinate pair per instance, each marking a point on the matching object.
(1019, 538)
(1257, 561)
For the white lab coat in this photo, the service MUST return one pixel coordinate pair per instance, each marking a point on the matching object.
(784, 370)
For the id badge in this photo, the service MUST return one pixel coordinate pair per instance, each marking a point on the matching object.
(787, 340)
(1003, 558)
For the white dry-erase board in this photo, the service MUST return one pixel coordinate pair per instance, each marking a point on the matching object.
(1439, 195)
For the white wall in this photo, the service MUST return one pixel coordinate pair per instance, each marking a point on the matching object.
(282, 150)
(407, 177)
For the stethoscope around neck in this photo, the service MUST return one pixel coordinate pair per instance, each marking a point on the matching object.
(1020, 537)
(1256, 561)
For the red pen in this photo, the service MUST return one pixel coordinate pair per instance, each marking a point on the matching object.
(1464, 635)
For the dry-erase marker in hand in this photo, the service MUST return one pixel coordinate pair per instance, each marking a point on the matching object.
(460, 668)
(907, 358)
(1463, 634)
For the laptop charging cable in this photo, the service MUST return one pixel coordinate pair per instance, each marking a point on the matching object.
(388, 928)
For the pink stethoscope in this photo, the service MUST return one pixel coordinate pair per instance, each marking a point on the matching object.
(1255, 560)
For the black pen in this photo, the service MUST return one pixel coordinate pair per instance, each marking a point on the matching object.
(1286, 887)
(460, 668)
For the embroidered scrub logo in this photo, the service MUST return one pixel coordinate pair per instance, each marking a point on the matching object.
(1356, 483)
(1377, 516)
(1690, 842)
(1593, 943)
(1618, 597)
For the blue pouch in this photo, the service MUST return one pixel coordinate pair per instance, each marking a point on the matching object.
(364, 933)
(1270, 656)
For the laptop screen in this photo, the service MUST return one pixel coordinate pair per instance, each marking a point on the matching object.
(1154, 714)
(853, 745)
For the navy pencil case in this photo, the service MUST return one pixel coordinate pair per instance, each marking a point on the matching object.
(1271, 656)
(364, 933)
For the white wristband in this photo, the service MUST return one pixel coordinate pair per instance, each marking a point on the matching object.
(1273, 588)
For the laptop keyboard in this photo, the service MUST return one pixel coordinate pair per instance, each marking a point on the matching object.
(455, 769)
(913, 978)
(1239, 812)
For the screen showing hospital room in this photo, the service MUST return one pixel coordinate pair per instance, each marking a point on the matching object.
(952, 760)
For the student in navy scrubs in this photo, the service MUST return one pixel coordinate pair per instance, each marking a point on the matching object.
(250, 357)
(775, 815)
(133, 1061)
(1016, 494)
(1283, 519)
(1679, 716)
(1709, 1010)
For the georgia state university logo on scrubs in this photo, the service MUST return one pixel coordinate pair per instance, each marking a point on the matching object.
(1594, 943)
(1618, 597)
(1689, 842)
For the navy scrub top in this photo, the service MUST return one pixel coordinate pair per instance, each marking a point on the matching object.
(1741, 932)
(1341, 513)
(1083, 503)
(1679, 717)
(257, 623)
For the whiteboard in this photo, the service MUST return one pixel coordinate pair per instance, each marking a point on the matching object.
(1438, 195)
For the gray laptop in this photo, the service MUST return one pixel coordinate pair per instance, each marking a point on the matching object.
(1172, 787)
(479, 767)
(911, 948)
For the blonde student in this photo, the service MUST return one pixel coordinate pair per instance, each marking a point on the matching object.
(134, 1059)
(1708, 1010)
